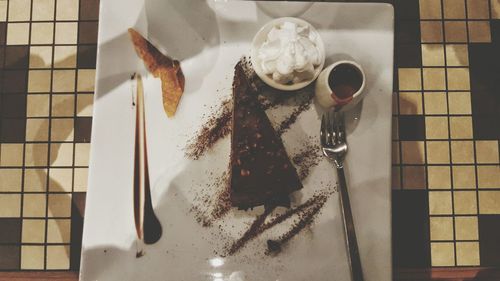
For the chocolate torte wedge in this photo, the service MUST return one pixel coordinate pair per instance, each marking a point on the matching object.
(261, 172)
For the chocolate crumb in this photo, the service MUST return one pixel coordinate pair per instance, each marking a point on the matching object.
(273, 246)
(139, 254)
(307, 158)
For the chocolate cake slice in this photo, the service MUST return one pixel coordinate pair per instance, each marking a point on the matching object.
(261, 172)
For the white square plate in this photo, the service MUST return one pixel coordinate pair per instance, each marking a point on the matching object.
(209, 37)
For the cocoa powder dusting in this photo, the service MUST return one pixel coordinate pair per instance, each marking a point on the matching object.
(217, 127)
(306, 213)
(307, 158)
(209, 209)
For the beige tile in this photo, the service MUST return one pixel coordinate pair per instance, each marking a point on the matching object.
(11, 180)
(434, 79)
(66, 32)
(58, 257)
(63, 81)
(432, 55)
(457, 55)
(396, 177)
(43, 10)
(3, 10)
(63, 105)
(413, 152)
(81, 176)
(19, 10)
(459, 102)
(439, 177)
(38, 105)
(436, 127)
(414, 177)
(35, 180)
(36, 154)
(495, 9)
(34, 205)
(32, 257)
(67, 10)
(410, 103)
(59, 205)
(430, 9)
(431, 31)
(18, 33)
(462, 152)
(86, 80)
(435, 103)
(461, 127)
(478, 9)
(440, 203)
(11, 205)
(458, 79)
(40, 56)
(82, 154)
(58, 230)
(394, 147)
(455, 31)
(61, 154)
(464, 177)
(465, 202)
(438, 152)
(489, 202)
(62, 129)
(60, 179)
(39, 81)
(65, 56)
(441, 228)
(479, 32)
(487, 152)
(37, 129)
(33, 230)
(442, 254)
(11, 154)
(467, 253)
(466, 228)
(488, 176)
(42, 33)
(454, 9)
(84, 105)
(409, 79)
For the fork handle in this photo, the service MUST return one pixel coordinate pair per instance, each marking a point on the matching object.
(350, 233)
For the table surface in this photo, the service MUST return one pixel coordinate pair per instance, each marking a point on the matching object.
(446, 168)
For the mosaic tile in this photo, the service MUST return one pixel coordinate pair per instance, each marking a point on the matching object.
(42, 33)
(40, 57)
(89, 9)
(19, 10)
(489, 202)
(431, 31)
(443, 254)
(414, 177)
(430, 9)
(18, 33)
(35, 180)
(64, 56)
(57, 257)
(11, 180)
(87, 56)
(478, 9)
(67, 10)
(464, 177)
(466, 228)
(33, 230)
(16, 56)
(32, 257)
(60, 179)
(66, 33)
(43, 10)
(9, 257)
(13, 130)
(11, 230)
(489, 231)
(87, 32)
(441, 228)
(454, 9)
(467, 253)
(439, 177)
(83, 127)
(487, 152)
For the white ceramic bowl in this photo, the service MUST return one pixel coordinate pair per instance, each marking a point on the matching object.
(261, 37)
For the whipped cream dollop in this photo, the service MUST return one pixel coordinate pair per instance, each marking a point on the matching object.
(290, 53)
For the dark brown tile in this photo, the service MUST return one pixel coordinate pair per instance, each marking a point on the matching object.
(87, 56)
(408, 55)
(16, 56)
(410, 232)
(87, 32)
(411, 127)
(2, 56)
(13, 130)
(9, 257)
(14, 106)
(83, 127)
(14, 81)
(489, 232)
(407, 9)
(77, 211)
(11, 230)
(3, 32)
(89, 9)
(407, 32)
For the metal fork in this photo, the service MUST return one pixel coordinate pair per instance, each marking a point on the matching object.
(334, 146)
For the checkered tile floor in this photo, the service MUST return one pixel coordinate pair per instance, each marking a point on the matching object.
(446, 171)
